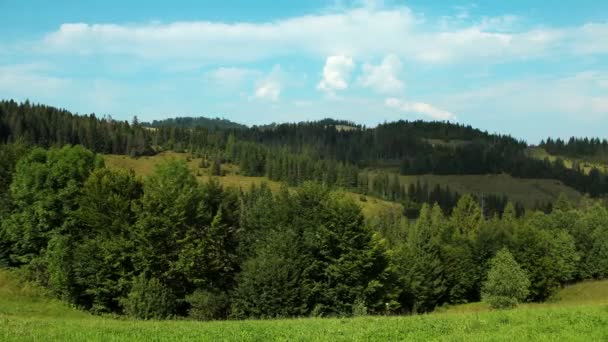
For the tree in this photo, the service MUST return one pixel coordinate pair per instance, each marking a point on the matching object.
(45, 190)
(149, 299)
(216, 167)
(419, 266)
(507, 284)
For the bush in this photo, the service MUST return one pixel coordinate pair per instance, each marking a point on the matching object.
(507, 284)
(149, 299)
(208, 305)
(359, 308)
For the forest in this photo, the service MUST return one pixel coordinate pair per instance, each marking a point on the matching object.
(167, 245)
(328, 151)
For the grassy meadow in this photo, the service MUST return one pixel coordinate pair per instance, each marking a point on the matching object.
(145, 165)
(581, 314)
(526, 191)
(587, 165)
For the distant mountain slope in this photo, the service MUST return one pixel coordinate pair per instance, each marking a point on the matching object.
(325, 150)
(197, 122)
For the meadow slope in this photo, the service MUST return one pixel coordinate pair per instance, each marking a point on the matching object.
(525, 191)
(26, 314)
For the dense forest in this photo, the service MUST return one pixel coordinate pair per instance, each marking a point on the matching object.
(198, 122)
(169, 246)
(166, 245)
(577, 147)
(327, 151)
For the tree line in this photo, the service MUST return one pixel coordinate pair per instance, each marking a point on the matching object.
(167, 245)
(576, 147)
(47, 126)
(326, 150)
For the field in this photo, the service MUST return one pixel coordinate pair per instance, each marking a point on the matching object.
(587, 165)
(526, 191)
(145, 165)
(26, 314)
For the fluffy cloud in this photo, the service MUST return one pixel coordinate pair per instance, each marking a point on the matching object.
(368, 31)
(578, 96)
(231, 77)
(419, 108)
(269, 88)
(336, 74)
(383, 78)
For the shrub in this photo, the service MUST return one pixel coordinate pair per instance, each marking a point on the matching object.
(359, 308)
(208, 305)
(507, 284)
(149, 299)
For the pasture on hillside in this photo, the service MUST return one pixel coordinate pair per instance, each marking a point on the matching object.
(27, 314)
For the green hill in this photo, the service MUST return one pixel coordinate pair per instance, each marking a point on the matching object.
(525, 191)
(145, 165)
(586, 164)
(26, 314)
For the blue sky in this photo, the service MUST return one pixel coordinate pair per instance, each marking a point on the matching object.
(531, 69)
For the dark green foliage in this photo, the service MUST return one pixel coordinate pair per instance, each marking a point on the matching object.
(198, 122)
(272, 281)
(418, 263)
(168, 245)
(208, 305)
(48, 126)
(506, 284)
(44, 192)
(216, 167)
(149, 299)
(548, 256)
(322, 259)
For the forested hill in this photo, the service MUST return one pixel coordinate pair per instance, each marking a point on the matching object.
(329, 151)
(196, 122)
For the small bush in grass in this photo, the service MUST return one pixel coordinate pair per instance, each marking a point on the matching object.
(149, 299)
(208, 305)
(507, 284)
(359, 308)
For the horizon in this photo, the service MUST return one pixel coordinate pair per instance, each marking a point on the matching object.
(506, 68)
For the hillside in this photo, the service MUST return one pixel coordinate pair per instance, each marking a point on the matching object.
(196, 122)
(298, 152)
(528, 192)
(144, 166)
(586, 164)
(27, 314)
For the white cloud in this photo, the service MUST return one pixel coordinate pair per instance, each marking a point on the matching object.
(30, 80)
(383, 78)
(231, 77)
(367, 31)
(577, 97)
(336, 74)
(419, 108)
(269, 88)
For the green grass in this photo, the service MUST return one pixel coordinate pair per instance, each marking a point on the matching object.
(26, 315)
(523, 190)
(144, 166)
(587, 165)
(591, 292)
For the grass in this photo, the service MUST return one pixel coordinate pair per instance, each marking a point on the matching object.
(525, 191)
(587, 165)
(144, 166)
(26, 315)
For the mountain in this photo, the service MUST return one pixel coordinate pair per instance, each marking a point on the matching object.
(329, 151)
(196, 122)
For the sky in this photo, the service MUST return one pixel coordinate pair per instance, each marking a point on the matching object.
(531, 69)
